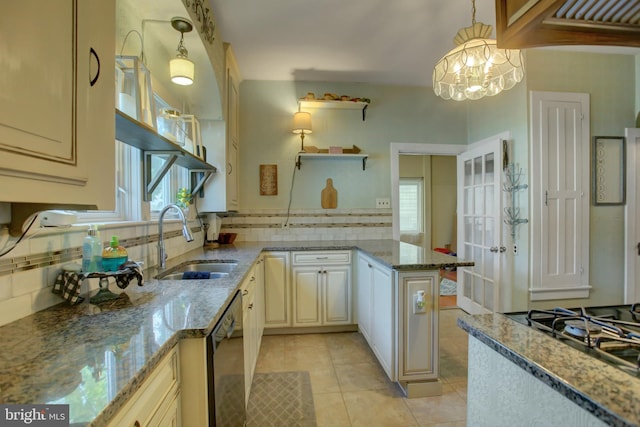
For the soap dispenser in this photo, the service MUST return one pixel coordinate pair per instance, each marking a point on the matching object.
(114, 255)
(92, 251)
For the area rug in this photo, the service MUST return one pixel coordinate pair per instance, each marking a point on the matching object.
(448, 287)
(281, 399)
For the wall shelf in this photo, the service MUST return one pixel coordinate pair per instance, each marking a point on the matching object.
(336, 105)
(326, 156)
(144, 137)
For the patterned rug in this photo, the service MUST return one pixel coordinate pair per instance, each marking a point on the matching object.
(448, 287)
(281, 399)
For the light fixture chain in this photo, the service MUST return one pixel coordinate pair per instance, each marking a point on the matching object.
(473, 12)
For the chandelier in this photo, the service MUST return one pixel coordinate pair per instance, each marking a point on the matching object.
(476, 67)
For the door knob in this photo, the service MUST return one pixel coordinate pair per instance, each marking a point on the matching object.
(503, 249)
(493, 249)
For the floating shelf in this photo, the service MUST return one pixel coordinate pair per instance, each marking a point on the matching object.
(142, 136)
(336, 105)
(326, 156)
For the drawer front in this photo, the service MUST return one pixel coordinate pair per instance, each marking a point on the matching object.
(321, 257)
(151, 396)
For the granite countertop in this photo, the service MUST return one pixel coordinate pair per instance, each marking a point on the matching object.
(95, 357)
(603, 390)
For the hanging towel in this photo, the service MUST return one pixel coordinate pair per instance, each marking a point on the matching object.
(68, 283)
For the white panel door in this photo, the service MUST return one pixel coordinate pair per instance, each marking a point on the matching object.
(479, 226)
(559, 195)
(632, 218)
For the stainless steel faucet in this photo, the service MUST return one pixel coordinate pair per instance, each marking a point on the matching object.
(162, 255)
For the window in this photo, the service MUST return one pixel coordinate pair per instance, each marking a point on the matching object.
(411, 205)
(128, 178)
(176, 178)
(128, 194)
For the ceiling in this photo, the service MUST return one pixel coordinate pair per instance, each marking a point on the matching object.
(372, 41)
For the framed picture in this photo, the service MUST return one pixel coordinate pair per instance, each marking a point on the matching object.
(268, 180)
(608, 173)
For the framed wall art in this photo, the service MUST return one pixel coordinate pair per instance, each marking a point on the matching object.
(268, 180)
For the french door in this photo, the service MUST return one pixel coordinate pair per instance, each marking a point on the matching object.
(479, 226)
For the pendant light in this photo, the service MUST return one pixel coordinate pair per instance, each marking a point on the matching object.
(476, 67)
(181, 68)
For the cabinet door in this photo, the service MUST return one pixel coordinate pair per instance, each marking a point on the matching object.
(307, 287)
(418, 342)
(170, 416)
(249, 345)
(57, 134)
(382, 318)
(259, 299)
(336, 307)
(365, 289)
(233, 141)
(277, 299)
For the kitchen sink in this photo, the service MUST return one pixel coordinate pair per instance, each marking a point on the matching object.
(199, 270)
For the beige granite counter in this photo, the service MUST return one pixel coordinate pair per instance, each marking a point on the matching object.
(607, 393)
(93, 358)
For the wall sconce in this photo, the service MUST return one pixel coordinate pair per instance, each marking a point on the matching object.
(182, 69)
(302, 126)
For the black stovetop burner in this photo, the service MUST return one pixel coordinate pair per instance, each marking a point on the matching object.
(610, 333)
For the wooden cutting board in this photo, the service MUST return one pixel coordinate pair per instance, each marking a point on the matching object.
(329, 196)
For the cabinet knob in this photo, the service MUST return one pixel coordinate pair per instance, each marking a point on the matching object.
(136, 424)
(250, 307)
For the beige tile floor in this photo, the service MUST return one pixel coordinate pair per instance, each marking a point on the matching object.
(350, 388)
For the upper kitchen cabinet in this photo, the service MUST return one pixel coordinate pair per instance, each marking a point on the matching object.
(57, 126)
(531, 23)
(221, 192)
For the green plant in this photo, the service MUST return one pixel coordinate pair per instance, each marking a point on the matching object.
(183, 198)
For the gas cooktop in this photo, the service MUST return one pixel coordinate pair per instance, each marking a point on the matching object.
(609, 333)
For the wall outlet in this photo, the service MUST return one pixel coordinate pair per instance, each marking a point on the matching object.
(515, 249)
(383, 203)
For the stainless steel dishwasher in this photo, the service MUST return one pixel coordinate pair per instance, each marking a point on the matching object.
(225, 373)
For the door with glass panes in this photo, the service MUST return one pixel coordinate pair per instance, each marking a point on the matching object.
(479, 226)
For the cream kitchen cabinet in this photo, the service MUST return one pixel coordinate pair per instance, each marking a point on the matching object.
(222, 190)
(377, 311)
(321, 283)
(157, 401)
(277, 292)
(57, 133)
(252, 323)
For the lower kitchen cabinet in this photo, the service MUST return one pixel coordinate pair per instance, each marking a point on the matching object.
(376, 311)
(321, 283)
(252, 323)
(157, 401)
(277, 292)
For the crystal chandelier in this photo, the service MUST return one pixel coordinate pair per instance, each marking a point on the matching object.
(476, 67)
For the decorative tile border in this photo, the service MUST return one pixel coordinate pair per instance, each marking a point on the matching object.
(45, 259)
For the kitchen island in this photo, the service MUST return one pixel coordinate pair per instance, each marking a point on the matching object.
(519, 375)
(94, 358)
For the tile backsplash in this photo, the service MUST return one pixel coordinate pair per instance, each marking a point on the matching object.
(27, 272)
(317, 224)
